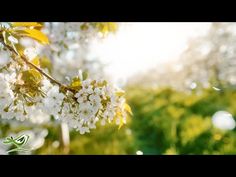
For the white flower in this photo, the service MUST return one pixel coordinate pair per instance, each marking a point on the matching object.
(53, 101)
(87, 87)
(103, 122)
(82, 99)
(118, 121)
(94, 98)
(7, 115)
(5, 58)
(88, 90)
(81, 96)
(113, 99)
(72, 26)
(86, 83)
(98, 91)
(30, 53)
(109, 113)
(83, 130)
(6, 97)
(92, 122)
(85, 111)
(46, 85)
(36, 115)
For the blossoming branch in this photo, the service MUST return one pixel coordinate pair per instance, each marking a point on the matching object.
(27, 87)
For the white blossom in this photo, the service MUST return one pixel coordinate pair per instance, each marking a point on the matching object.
(53, 101)
(6, 97)
(30, 53)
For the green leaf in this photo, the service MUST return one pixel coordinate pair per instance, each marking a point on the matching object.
(84, 75)
(31, 76)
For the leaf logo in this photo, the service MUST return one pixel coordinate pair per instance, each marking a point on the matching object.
(18, 142)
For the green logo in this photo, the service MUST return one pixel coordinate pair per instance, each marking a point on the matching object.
(19, 143)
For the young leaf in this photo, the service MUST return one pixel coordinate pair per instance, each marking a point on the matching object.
(120, 93)
(20, 49)
(6, 35)
(121, 124)
(112, 26)
(118, 115)
(25, 24)
(46, 63)
(103, 83)
(84, 27)
(76, 83)
(128, 108)
(31, 76)
(84, 75)
(35, 61)
(35, 34)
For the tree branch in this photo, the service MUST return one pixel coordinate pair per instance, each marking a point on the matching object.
(38, 69)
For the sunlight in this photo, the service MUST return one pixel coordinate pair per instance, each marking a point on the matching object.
(139, 46)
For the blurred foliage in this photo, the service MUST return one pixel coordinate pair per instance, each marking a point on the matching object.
(102, 27)
(165, 121)
(103, 140)
(173, 122)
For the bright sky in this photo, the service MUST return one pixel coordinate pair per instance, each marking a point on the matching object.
(139, 46)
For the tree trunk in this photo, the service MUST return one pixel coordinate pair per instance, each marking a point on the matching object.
(64, 138)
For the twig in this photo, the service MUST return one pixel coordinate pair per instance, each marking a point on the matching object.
(38, 69)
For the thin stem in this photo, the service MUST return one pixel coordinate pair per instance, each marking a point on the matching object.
(38, 69)
(41, 71)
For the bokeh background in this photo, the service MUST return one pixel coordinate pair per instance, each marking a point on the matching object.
(179, 78)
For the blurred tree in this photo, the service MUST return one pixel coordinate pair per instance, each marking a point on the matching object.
(174, 104)
(208, 61)
(167, 121)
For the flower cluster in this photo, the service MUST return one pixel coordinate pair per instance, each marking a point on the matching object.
(6, 96)
(95, 101)
(13, 104)
(26, 90)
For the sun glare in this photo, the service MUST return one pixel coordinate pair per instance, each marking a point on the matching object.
(139, 46)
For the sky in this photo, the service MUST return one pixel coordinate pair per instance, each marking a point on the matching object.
(136, 47)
